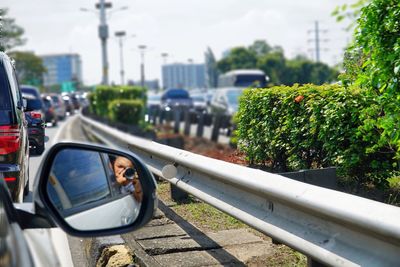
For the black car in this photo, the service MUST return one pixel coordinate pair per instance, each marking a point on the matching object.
(50, 114)
(176, 99)
(35, 119)
(14, 144)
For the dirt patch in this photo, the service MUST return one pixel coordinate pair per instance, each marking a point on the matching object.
(210, 149)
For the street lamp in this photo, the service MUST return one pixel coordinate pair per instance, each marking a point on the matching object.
(120, 35)
(142, 49)
(103, 34)
(164, 56)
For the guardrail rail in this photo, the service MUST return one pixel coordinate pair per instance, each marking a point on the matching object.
(331, 227)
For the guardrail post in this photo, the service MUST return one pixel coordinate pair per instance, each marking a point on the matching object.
(162, 117)
(216, 127)
(177, 120)
(188, 124)
(200, 124)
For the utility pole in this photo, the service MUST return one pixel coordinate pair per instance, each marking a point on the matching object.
(317, 52)
(120, 35)
(317, 40)
(165, 57)
(142, 49)
(103, 34)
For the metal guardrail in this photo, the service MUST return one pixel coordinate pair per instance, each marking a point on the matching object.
(331, 227)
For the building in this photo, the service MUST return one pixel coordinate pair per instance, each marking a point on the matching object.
(187, 76)
(152, 85)
(62, 69)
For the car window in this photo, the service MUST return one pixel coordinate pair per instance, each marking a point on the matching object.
(233, 96)
(79, 177)
(176, 94)
(5, 100)
(32, 102)
(15, 94)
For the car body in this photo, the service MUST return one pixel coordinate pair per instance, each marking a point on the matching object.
(59, 106)
(75, 101)
(28, 233)
(36, 125)
(199, 102)
(14, 143)
(69, 108)
(153, 101)
(176, 98)
(35, 119)
(225, 101)
(49, 110)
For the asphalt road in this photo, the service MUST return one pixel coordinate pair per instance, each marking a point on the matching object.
(68, 254)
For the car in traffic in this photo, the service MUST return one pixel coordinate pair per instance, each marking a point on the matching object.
(199, 102)
(56, 203)
(50, 114)
(36, 125)
(59, 106)
(173, 99)
(14, 143)
(225, 101)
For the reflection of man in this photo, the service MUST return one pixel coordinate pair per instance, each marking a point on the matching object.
(120, 165)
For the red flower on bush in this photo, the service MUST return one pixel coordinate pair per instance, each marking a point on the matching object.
(298, 99)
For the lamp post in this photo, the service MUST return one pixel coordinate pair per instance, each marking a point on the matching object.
(103, 34)
(165, 57)
(120, 35)
(142, 49)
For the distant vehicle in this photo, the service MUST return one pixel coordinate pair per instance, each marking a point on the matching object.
(199, 102)
(75, 101)
(69, 108)
(14, 143)
(36, 125)
(34, 100)
(153, 101)
(59, 106)
(176, 98)
(243, 78)
(225, 101)
(50, 112)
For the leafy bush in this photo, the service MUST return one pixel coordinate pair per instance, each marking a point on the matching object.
(126, 111)
(309, 126)
(104, 95)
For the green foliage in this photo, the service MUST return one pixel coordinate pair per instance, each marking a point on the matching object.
(103, 95)
(29, 68)
(126, 111)
(239, 58)
(375, 67)
(10, 33)
(303, 127)
(260, 55)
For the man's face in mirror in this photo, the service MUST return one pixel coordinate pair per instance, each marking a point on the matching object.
(119, 167)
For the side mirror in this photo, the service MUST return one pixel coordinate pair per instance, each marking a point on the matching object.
(90, 190)
(24, 103)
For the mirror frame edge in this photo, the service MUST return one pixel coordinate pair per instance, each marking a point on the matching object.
(149, 203)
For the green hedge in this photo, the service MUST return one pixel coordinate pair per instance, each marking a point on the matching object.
(309, 126)
(126, 111)
(104, 95)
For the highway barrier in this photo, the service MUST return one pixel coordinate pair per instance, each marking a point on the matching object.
(331, 227)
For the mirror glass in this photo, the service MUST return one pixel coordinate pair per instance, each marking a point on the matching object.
(93, 190)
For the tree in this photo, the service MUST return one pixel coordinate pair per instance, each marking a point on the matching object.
(260, 47)
(10, 33)
(273, 64)
(29, 68)
(238, 58)
(377, 46)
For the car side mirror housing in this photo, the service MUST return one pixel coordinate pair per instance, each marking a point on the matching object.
(25, 105)
(91, 190)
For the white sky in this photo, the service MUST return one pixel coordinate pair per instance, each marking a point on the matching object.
(182, 28)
